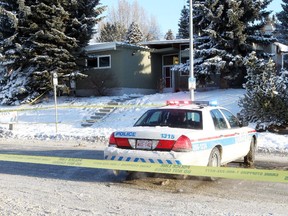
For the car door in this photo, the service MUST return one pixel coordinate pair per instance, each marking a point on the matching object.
(242, 138)
(227, 135)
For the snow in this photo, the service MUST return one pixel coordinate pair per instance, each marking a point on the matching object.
(38, 121)
(282, 47)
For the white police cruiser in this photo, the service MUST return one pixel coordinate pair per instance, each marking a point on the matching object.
(184, 133)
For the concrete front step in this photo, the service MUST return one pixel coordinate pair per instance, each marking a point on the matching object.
(112, 103)
(100, 114)
(105, 110)
(91, 121)
(86, 124)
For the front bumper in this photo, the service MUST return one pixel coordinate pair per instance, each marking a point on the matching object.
(196, 158)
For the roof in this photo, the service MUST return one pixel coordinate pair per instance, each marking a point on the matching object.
(163, 42)
(105, 46)
(282, 47)
(152, 46)
(166, 46)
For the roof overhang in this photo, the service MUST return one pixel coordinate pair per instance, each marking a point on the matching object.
(100, 47)
(282, 47)
(108, 46)
(163, 42)
(165, 50)
(162, 46)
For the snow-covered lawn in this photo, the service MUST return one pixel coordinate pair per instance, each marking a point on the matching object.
(38, 121)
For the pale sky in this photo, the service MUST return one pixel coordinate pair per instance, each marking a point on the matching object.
(168, 12)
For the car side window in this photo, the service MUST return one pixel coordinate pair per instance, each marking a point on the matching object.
(218, 120)
(233, 121)
(155, 117)
(194, 120)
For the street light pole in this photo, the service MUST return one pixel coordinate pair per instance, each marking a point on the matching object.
(55, 83)
(192, 80)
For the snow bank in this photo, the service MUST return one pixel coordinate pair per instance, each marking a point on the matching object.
(38, 121)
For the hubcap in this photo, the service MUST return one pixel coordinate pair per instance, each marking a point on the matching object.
(215, 160)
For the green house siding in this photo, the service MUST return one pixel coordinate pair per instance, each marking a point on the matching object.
(137, 69)
(130, 68)
(134, 70)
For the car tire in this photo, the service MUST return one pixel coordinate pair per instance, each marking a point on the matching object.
(214, 158)
(249, 159)
(116, 172)
(214, 161)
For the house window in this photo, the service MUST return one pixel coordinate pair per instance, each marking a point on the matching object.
(99, 62)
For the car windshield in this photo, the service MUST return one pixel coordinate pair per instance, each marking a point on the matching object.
(175, 118)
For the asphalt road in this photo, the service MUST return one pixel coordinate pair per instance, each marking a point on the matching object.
(33, 189)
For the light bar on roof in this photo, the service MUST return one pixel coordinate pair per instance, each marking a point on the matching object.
(200, 103)
(176, 102)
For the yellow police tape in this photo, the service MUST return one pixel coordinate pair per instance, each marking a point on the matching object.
(128, 106)
(221, 172)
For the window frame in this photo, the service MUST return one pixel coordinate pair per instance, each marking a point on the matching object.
(232, 119)
(97, 58)
(219, 120)
(191, 119)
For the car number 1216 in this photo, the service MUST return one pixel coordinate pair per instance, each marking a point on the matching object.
(167, 136)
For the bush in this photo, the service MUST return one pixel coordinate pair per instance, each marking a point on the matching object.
(266, 98)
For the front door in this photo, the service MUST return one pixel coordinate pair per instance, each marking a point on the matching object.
(167, 74)
(168, 78)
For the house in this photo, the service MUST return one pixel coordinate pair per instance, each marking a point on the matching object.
(164, 56)
(277, 50)
(116, 68)
(280, 51)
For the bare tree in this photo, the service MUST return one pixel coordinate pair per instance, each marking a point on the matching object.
(125, 13)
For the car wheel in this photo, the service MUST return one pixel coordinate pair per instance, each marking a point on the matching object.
(249, 159)
(214, 158)
(214, 161)
(116, 172)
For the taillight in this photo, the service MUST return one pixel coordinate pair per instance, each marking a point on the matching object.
(119, 142)
(183, 143)
(112, 140)
(165, 145)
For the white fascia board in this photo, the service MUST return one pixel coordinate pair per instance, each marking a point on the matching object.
(101, 47)
(159, 42)
(98, 47)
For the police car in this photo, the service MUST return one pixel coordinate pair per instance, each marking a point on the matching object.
(184, 133)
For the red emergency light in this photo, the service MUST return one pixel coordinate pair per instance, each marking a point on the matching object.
(178, 103)
(200, 103)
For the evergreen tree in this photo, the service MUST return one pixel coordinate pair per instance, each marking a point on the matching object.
(112, 32)
(226, 31)
(169, 35)
(42, 38)
(83, 16)
(266, 98)
(282, 27)
(183, 31)
(134, 34)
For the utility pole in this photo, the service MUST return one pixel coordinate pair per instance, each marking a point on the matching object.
(55, 83)
(192, 80)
